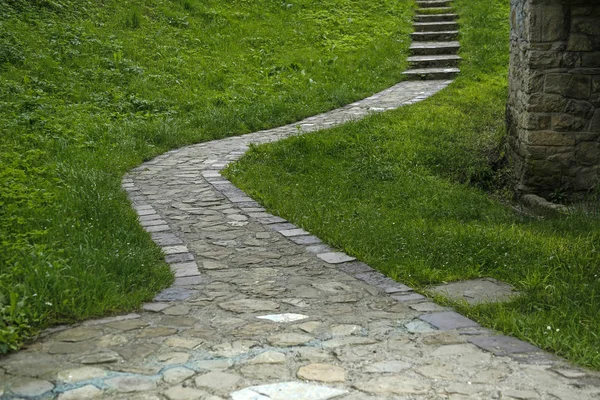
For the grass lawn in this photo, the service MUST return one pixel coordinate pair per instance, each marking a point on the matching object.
(420, 194)
(90, 88)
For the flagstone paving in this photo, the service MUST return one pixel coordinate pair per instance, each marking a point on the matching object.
(261, 309)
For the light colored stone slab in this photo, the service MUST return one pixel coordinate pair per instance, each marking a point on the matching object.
(268, 357)
(335, 257)
(289, 339)
(80, 374)
(218, 381)
(288, 391)
(176, 375)
(283, 317)
(82, 393)
(294, 232)
(129, 384)
(322, 373)
(348, 341)
(391, 366)
(393, 385)
(185, 393)
(249, 305)
(31, 387)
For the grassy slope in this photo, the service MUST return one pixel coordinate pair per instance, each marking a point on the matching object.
(89, 89)
(405, 192)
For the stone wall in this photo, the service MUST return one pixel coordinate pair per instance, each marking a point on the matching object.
(553, 111)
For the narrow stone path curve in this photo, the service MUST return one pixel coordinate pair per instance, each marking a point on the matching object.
(261, 309)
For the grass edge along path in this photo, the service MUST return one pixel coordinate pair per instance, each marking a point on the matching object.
(90, 89)
(408, 192)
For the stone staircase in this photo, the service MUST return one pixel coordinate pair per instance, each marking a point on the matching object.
(434, 45)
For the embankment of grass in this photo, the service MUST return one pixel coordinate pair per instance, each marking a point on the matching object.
(414, 193)
(89, 89)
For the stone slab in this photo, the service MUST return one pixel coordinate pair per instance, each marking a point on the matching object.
(448, 320)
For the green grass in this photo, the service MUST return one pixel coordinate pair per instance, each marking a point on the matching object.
(420, 194)
(89, 89)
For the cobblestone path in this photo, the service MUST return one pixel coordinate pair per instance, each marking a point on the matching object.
(261, 309)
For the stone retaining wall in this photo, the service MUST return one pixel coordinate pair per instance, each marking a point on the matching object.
(553, 111)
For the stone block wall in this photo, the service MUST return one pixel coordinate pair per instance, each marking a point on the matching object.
(553, 110)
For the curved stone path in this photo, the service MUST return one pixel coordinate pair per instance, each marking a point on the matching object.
(260, 309)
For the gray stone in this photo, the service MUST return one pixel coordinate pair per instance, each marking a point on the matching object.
(393, 385)
(322, 373)
(288, 391)
(448, 320)
(214, 365)
(418, 326)
(129, 384)
(218, 381)
(335, 257)
(179, 309)
(74, 375)
(268, 357)
(249, 305)
(128, 325)
(78, 335)
(185, 393)
(174, 294)
(157, 331)
(176, 375)
(387, 367)
(155, 307)
(348, 341)
(31, 387)
(502, 345)
(289, 339)
(82, 393)
(104, 357)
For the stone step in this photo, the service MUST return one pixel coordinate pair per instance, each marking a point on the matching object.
(430, 73)
(442, 36)
(435, 26)
(434, 11)
(433, 3)
(435, 17)
(434, 61)
(432, 48)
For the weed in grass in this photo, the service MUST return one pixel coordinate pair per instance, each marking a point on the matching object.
(404, 191)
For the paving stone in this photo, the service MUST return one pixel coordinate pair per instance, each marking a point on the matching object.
(393, 385)
(30, 387)
(214, 365)
(129, 384)
(502, 345)
(448, 320)
(268, 357)
(176, 375)
(82, 393)
(288, 391)
(283, 317)
(570, 373)
(408, 297)
(345, 330)
(188, 281)
(335, 257)
(104, 357)
(218, 381)
(73, 375)
(158, 331)
(521, 394)
(293, 232)
(311, 326)
(179, 309)
(70, 348)
(289, 339)
(418, 326)
(392, 366)
(185, 393)
(427, 307)
(174, 294)
(173, 358)
(78, 335)
(128, 325)
(322, 373)
(348, 341)
(182, 343)
(305, 239)
(249, 305)
(155, 307)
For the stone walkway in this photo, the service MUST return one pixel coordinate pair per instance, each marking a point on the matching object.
(261, 309)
